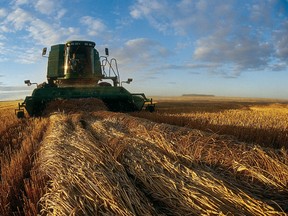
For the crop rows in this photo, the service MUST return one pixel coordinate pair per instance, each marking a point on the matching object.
(265, 125)
(103, 163)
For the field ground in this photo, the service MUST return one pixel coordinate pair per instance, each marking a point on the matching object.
(255, 120)
(193, 156)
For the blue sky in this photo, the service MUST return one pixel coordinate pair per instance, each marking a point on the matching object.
(168, 47)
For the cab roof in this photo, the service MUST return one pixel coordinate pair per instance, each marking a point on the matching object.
(80, 43)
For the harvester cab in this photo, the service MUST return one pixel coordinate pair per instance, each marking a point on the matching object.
(76, 70)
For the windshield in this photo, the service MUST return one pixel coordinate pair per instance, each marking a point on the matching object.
(79, 59)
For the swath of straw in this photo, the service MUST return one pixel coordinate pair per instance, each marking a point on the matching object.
(85, 179)
(70, 106)
(235, 199)
(259, 164)
(183, 191)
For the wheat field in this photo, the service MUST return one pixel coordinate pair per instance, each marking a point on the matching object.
(187, 158)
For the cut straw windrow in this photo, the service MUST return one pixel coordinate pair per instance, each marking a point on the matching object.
(106, 163)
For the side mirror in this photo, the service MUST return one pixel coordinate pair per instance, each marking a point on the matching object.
(44, 51)
(129, 80)
(27, 82)
(106, 51)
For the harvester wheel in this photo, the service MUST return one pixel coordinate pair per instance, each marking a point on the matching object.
(150, 108)
(20, 114)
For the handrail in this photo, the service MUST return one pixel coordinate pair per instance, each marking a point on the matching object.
(104, 64)
(111, 69)
(116, 66)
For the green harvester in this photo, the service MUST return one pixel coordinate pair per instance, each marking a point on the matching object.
(76, 70)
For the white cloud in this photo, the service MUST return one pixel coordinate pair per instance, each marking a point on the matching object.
(167, 17)
(281, 40)
(20, 2)
(238, 35)
(19, 53)
(46, 7)
(18, 18)
(95, 27)
(20, 22)
(145, 8)
(261, 12)
(29, 56)
(144, 50)
(136, 14)
(3, 12)
(158, 13)
(185, 17)
(3, 52)
(2, 48)
(141, 55)
(43, 33)
(243, 52)
(40, 31)
(28, 24)
(61, 13)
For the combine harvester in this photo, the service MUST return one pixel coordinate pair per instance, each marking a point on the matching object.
(75, 70)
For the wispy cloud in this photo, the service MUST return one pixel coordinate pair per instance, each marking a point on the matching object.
(19, 2)
(95, 27)
(46, 7)
(214, 35)
(243, 51)
(17, 19)
(1, 83)
(222, 34)
(3, 12)
(14, 92)
(43, 32)
(156, 12)
(14, 88)
(145, 49)
(29, 56)
(192, 67)
(281, 41)
(139, 53)
(140, 57)
(20, 22)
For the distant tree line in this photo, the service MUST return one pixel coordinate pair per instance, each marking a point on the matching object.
(199, 95)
